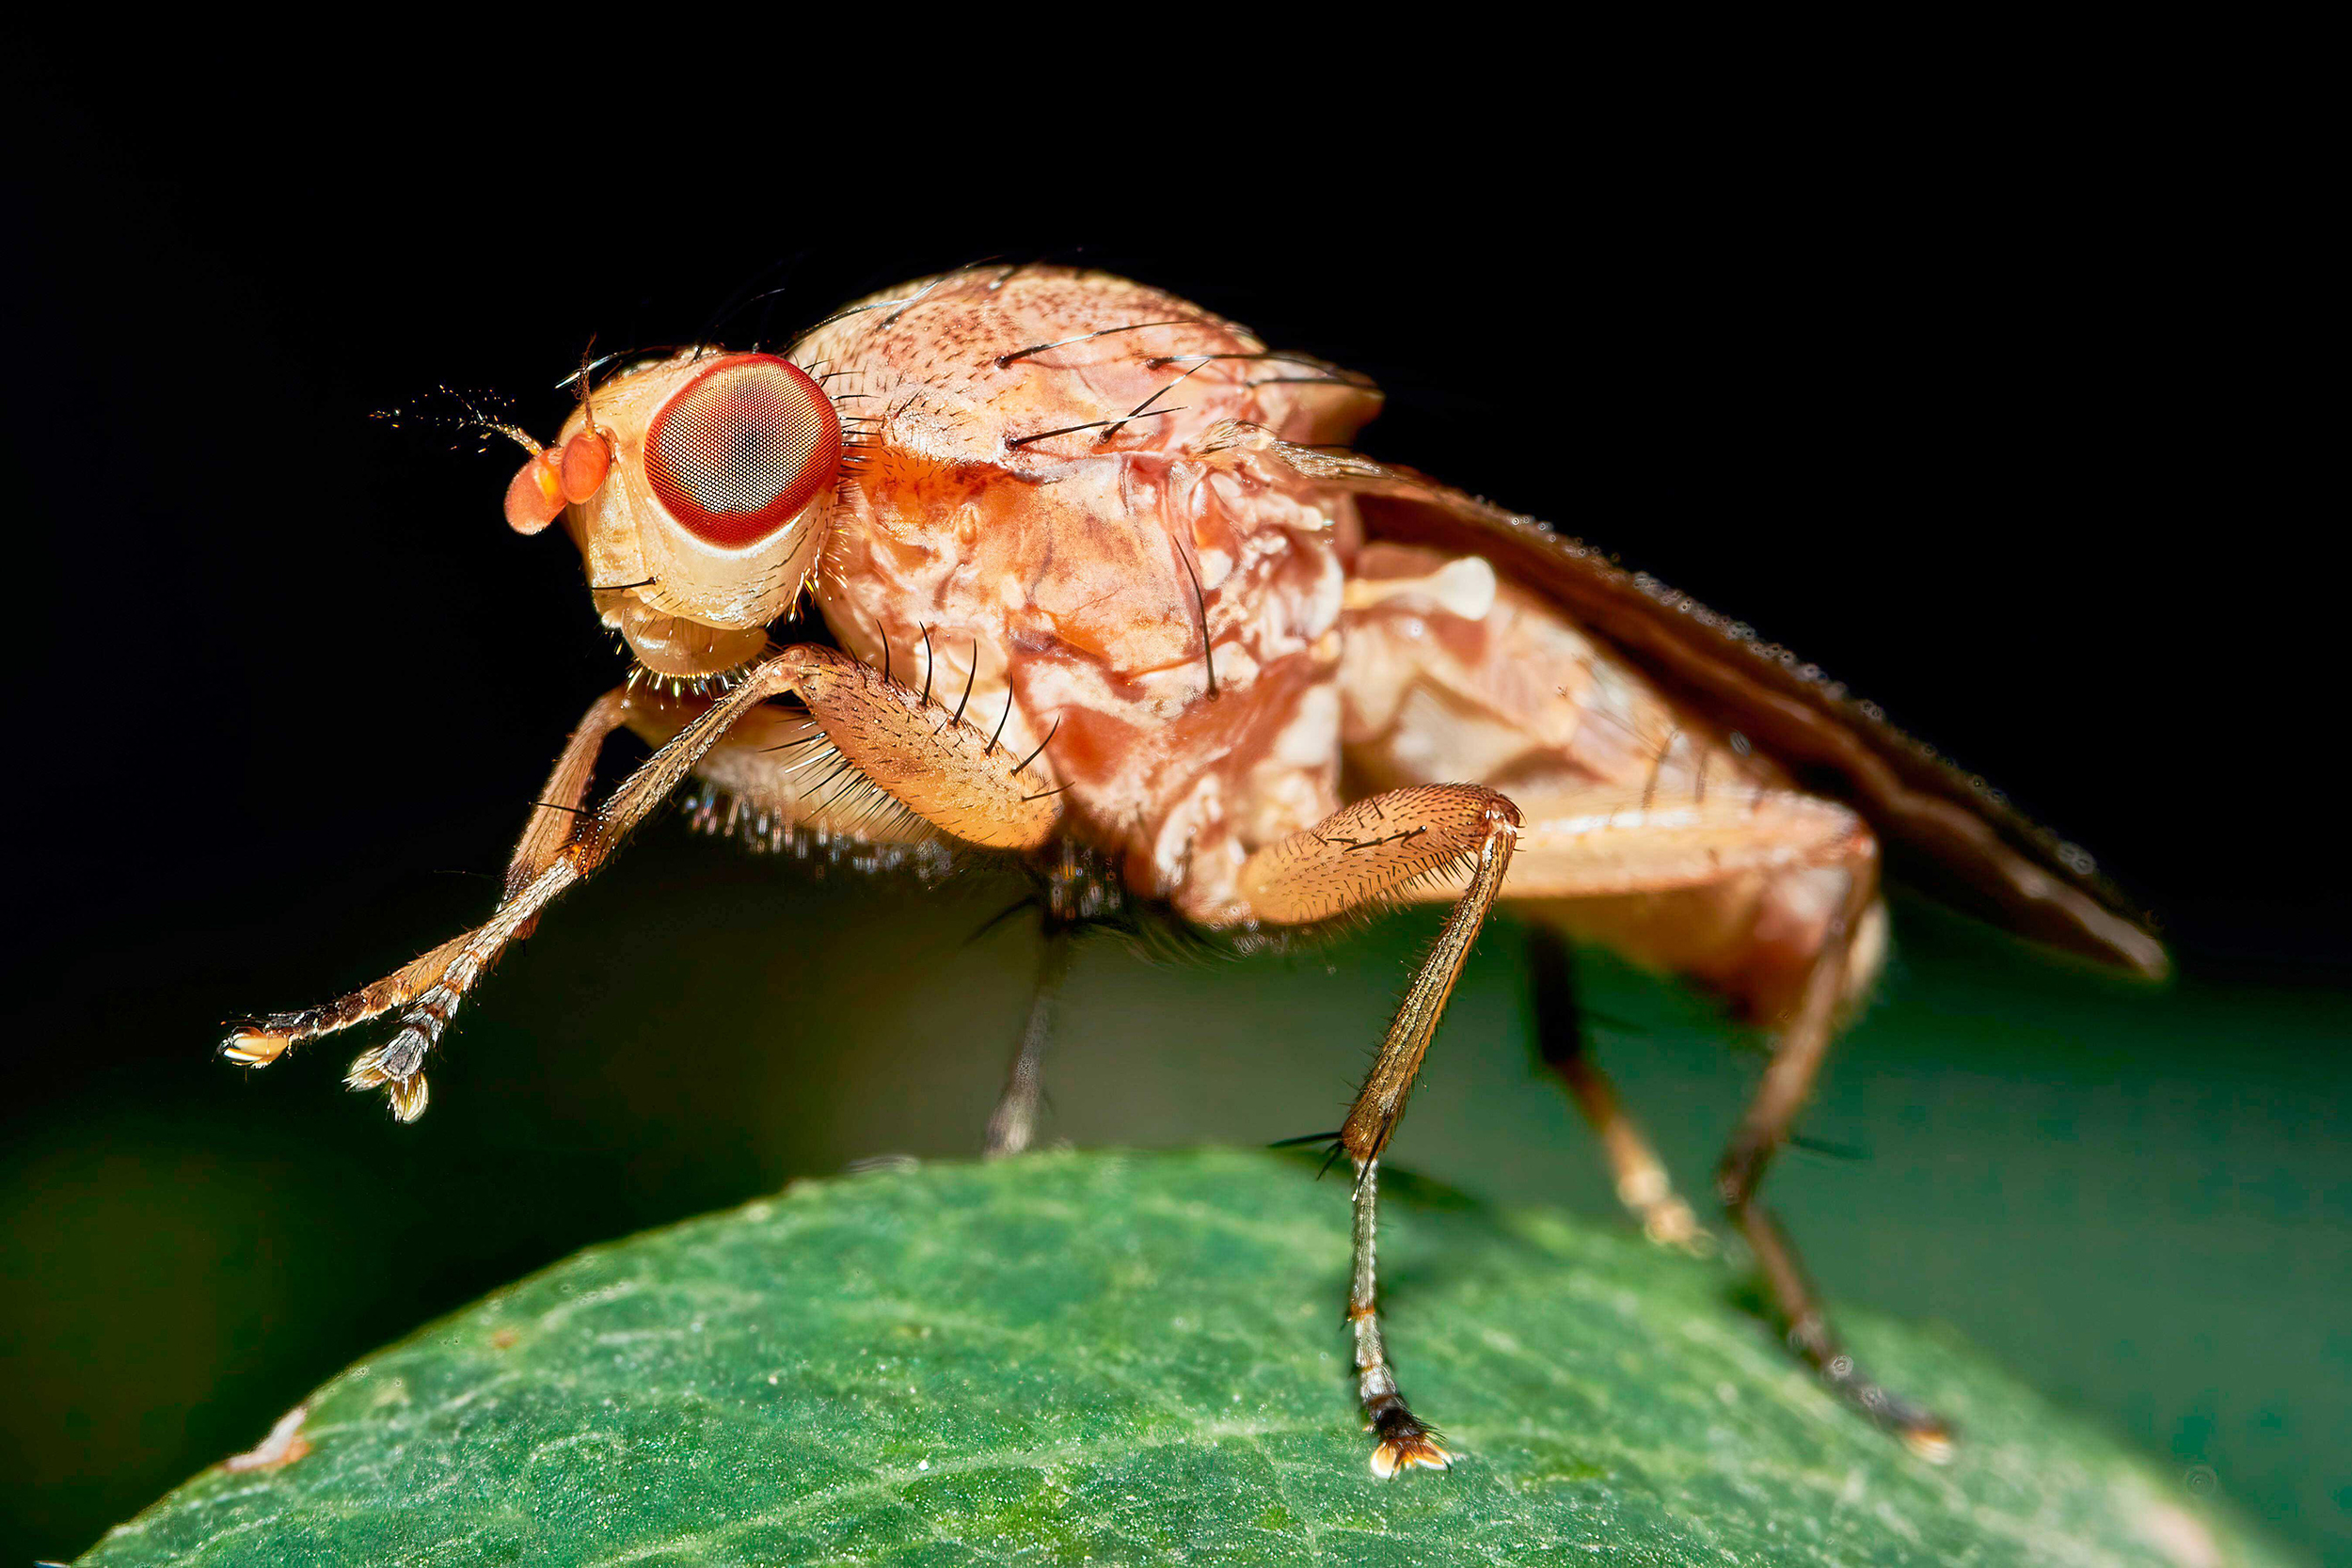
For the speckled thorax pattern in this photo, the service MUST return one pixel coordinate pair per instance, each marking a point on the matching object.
(1052, 529)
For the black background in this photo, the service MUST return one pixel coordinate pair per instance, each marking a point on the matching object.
(1996, 415)
(2001, 429)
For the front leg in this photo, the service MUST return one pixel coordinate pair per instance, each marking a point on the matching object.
(554, 815)
(950, 772)
(1370, 852)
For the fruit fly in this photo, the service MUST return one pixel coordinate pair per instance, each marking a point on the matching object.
(1051, 564)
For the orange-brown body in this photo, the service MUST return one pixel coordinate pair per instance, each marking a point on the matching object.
(1219, 655)
(1094, 568)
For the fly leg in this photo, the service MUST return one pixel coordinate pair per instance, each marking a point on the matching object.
(1796, 1061)
(557, 810)
(1374, 850)
(553, 813)
(943, 770)
(1013, 1123)
(1613, 858)
(1641, 1183)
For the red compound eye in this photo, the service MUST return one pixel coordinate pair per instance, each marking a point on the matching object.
(737, 451)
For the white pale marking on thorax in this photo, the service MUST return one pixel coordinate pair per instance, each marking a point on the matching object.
(1464, 587)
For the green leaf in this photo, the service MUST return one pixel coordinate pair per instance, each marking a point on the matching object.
(1127, 1359)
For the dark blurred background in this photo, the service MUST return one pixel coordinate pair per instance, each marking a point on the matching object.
(1990, 423)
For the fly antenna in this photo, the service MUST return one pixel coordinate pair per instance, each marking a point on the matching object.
(472, 418)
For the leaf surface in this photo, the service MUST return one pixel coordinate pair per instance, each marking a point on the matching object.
(1077, 1358)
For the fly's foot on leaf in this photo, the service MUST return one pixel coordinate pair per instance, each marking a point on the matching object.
(1672, 1223)
(1666, 1220)
(1924, 1432)
(1405, 1442)
(1931, 1440)
(1927, 1435)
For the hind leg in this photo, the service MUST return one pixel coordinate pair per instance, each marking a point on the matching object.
(1797, 1058)
(1771, 897)
(1641, 1183)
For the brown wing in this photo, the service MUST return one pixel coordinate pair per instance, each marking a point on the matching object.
(1944, 828)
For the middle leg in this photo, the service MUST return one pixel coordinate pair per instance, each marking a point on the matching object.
(1013, 1123)
(1640, 1176)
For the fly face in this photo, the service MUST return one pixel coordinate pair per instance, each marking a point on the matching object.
(696, 489)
